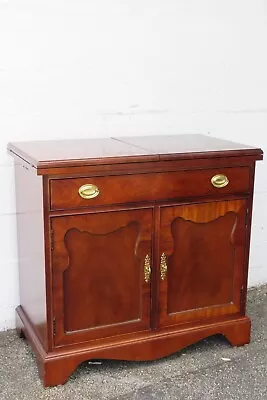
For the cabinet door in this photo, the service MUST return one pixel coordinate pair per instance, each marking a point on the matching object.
(101, 274)
(202, 250)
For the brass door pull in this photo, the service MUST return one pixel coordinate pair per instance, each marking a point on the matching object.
(163, 266)
(88, 191)
(147, 269)
(219, 181)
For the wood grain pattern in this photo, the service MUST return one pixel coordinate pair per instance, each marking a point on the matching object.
(142, 166)
(204, 244)
(182, 144)
(107, 294)
(78, 152)
(194, 283)
(98, 274)
(56, 367)
(173, 147)
(147, 187)
(82, 279)
(73, 152)
(29, 207)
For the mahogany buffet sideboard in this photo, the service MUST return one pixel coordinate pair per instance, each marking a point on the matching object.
(131, 248)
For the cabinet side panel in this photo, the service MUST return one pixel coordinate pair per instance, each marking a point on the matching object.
(30, 227)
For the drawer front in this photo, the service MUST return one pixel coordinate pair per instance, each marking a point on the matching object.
(71, 193)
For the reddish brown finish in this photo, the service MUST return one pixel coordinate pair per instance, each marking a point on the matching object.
(95, 294)
(146, 187)
(56, 367)
(189, 146)
(73, 153)
(29, 202)
(204, 244)
(60, 153)
(132, 168)
(86, 258)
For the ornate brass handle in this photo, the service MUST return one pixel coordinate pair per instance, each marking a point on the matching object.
(219, 181)
(88, 191)
(163, 266)
(147, 269)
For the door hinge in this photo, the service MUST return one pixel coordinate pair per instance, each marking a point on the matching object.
(52, 239)
(247, 213)
(51, 235)
(54, 326)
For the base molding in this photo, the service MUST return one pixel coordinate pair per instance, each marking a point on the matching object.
(56, 366)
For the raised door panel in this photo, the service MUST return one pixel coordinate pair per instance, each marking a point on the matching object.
(202, 248)
(101, 282)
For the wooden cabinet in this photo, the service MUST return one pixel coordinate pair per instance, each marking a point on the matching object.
(95, 294)
(201, 260)
(131, 248)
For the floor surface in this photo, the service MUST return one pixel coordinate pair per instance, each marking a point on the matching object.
(211, 369)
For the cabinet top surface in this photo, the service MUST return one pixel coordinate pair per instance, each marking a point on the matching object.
(75, 152)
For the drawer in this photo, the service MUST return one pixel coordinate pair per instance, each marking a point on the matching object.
(94, 191)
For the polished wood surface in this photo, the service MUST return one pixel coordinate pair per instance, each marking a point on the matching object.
(146, 187)
(204, 245)
(98, 274)
(30, 231)
(76, 152)
(142, 166)
(56, 367)
(43, 154)
(189, 145)
(93, 282)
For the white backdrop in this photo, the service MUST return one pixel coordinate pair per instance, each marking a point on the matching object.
(79, 68)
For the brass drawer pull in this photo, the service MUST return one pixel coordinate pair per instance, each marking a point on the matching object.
(163, 266)
(88, 191)
(147, 269)
(219, 181)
